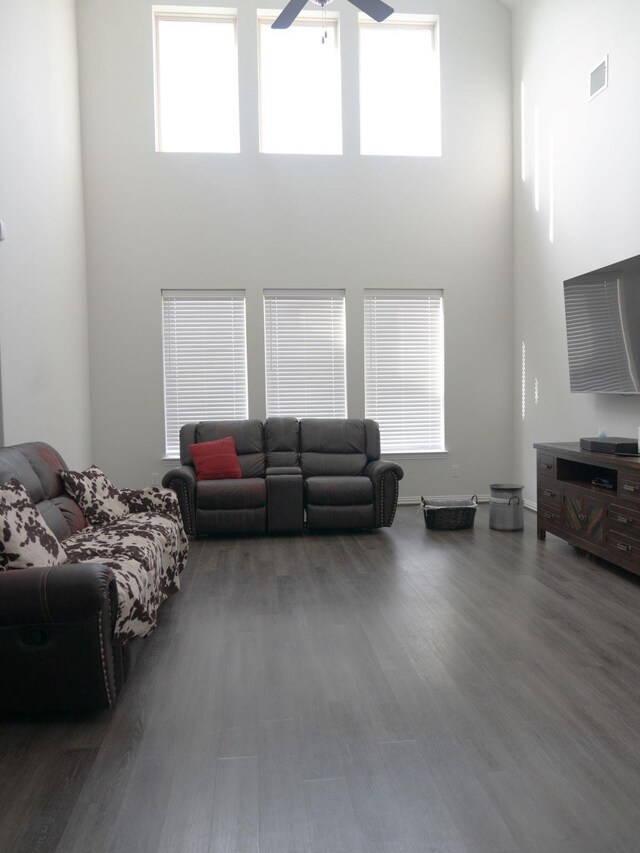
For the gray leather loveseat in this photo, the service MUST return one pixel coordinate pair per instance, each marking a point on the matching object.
(327, 471)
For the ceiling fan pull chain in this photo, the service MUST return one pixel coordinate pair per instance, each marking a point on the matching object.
(376, 9)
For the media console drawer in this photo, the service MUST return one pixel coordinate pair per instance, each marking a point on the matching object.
(550, 515)
(549, 492)
(621, 545)
(546, 464)
(629, 487)
(624, 519)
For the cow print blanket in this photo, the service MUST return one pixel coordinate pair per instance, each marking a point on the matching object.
(146, 550)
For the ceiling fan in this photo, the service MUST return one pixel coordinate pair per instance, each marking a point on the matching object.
(375, 9)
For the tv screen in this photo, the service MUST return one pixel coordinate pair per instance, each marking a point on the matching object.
(602, 312)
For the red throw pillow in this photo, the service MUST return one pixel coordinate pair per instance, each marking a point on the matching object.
(216, 460)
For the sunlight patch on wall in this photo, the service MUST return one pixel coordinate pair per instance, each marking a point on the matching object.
(523, 390)
(536, 391)
(523, 167)
(536, 158)
(551, 189)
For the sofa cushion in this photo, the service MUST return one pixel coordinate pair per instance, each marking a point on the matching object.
(46, 463)
(96, 495)
(340, 517)
(14, 464)
(332, 435)
(281, 441)
(220, 522)
(248, 438)
(216, 460)
(71, 512)
(332, 464)
(37, 466)
(332, 446)
(52, 514)
(339, 491)
(231, 494)
(25, 538)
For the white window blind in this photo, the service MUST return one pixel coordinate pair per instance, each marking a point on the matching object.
(305, 353)
(205, 359)
(404, 368)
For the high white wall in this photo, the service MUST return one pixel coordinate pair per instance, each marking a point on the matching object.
(596, 209)
(43, 311)
(256, 221)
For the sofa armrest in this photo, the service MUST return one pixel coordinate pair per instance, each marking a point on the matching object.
(182, 481)
(385, 476)
(151, 499)
(66, 593)
(56, 628)
(285, 499)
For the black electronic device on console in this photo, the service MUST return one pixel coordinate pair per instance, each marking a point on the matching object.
(610, 444)
(603, 482)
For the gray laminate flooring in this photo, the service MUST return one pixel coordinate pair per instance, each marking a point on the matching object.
(393, 692)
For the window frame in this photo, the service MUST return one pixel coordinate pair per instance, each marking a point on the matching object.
(305, 18)
(303, 294)
(399, 21)
(180, 14)
(406, 294)
(171, 450)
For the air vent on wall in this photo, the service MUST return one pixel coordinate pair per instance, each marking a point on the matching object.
(599, 78)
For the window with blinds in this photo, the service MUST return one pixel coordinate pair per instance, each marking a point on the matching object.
(404, 368)
(205, 359)
(305, 353)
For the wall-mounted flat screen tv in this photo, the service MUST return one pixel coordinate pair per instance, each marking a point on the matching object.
(602, 312)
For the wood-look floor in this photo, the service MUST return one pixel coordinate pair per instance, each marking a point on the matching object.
(392, 692)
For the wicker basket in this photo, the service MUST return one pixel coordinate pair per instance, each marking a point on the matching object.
(449, 515)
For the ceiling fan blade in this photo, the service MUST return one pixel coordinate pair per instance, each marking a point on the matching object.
(288, 14)
(375, 9)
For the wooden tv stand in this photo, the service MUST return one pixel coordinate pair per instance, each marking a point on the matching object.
(603, 521)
